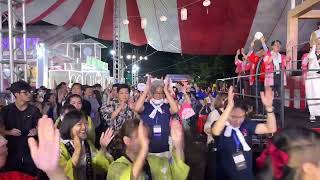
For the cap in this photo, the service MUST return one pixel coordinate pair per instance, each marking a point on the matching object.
(19, 86)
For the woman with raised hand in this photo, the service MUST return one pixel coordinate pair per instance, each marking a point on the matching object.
(138, 164)
(233, 133)
(156, 113)
(79, 158)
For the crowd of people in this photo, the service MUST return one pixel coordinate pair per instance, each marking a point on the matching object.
(122, 132)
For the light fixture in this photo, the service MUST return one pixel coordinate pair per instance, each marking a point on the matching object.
(143, 23)
(121, 57)
(163, 18)
(40, 50)
(112, 52)
(128, 56)
(135, 68)
(146, 58)
(140, 57)
(184, 14)
(206, 3)
(133, 56)
(125, 22)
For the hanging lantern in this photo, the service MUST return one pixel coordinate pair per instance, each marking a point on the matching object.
(163, 18)
(258, 35)
(184, 14)
(125, 22)
(206, 3)
(143, 23)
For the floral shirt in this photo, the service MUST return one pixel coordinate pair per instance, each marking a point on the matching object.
(106, 111)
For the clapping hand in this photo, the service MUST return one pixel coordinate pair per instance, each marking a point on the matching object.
(143, 136)
(238, 52)
(230, 97)
(45, 153)
(106, 138)
(14, 132)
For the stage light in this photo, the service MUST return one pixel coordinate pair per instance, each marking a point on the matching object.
(133, 57)
(146, 58)
(163, 18)
(128, 56)
(184, 14)
(125, 21)
(112, 52)
(206, 3)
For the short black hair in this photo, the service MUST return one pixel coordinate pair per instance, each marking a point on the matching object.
(85, 87)
(97, 86)
(76, 84)
(18, 86)
(239, 103)
(273, 42)
(123, 86)
(115, 85)
(47, 96)
(73, 96)
(60, 85)
(69, 120)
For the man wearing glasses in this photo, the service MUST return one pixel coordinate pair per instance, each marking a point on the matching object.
(19, 123)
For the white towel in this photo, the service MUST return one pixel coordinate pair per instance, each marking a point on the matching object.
(156, 104)
(228, 132)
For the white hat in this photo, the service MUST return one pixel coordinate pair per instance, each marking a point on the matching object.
(141, 87)
(258, 35)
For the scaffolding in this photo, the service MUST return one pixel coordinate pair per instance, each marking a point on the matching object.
(11, 17)
(118, 64)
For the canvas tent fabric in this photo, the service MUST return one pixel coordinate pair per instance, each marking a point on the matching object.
(219, 29)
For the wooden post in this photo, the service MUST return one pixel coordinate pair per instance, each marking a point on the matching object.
(303, 11)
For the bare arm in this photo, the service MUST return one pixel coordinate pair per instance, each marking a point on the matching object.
(139, 105)
(221, 122)
(143, 153)
(270, 126)
(173, 104)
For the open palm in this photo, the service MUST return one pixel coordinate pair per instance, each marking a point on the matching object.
(267, 97)
(106, 137)
(45, 153)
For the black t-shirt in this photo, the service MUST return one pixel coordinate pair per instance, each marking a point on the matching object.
(19, 157)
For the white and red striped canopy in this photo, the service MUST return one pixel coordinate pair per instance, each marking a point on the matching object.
(219, 29)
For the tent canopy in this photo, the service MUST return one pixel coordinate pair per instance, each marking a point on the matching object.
(220, 29)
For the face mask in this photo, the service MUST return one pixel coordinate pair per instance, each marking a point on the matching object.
(157, 101)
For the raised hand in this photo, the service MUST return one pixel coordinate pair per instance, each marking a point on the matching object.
(143, 135)
(106, 138)
(238, 52)
(230, 97)
(267, 97)
(77, 143)
(45, 154)
(148, 84)
(14, 132)
(177, 134)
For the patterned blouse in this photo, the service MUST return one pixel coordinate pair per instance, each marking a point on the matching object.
(106, 111)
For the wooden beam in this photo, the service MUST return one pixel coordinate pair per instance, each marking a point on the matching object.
(313, 14)
(292, 38)
(303, 8)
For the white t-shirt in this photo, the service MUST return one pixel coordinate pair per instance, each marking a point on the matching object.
(213, 116)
